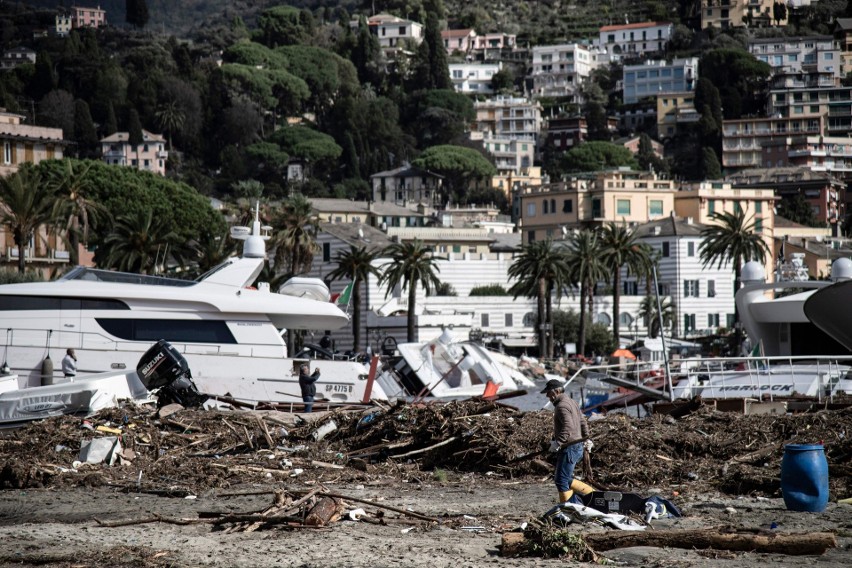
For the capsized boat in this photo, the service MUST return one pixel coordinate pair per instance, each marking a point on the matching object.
(229, 332)
(446, 368)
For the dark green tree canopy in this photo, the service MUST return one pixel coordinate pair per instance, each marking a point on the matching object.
(596, 156)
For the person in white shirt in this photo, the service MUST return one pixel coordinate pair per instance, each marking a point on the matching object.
(69, 364)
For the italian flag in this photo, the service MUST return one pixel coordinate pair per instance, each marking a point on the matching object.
(344, 297)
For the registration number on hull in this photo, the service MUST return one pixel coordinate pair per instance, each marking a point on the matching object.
(338, 388)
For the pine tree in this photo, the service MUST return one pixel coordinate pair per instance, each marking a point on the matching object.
(136, 13)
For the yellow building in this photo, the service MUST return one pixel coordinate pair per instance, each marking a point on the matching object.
(724, 14)
(591, 200)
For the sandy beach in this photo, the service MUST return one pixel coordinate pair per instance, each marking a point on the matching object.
(60, 528)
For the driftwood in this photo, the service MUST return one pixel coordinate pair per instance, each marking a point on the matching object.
(327, 510)
(424, 450)
(381, 506)
(793, 544)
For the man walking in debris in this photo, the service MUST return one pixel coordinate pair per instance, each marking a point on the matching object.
(570, 431)
(308, 386)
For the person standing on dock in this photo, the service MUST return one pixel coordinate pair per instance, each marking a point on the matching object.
(69, 364)
(307, 382)
(570, 431)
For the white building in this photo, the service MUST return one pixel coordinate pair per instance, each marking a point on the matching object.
(631, 40)
(395, 33)
(473, 77)
(655, 77)
(808, 55)
(511, 117)
(702, 297)
(559, 70)
(511, 155)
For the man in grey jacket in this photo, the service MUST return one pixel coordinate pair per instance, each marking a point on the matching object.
(570, 431)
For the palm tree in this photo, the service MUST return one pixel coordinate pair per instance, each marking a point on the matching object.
(732, 239)
(648, 313)
(170, 117)
(27, 204)
(294, 235)
(538, 270)
(209, 251)
(356, 265)
(140, 243)
(621, 249)
(72, 184)
(411, 264)
(584, 257)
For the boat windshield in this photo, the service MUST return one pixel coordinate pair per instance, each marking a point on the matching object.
(93, 274)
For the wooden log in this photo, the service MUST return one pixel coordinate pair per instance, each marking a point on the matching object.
(424, 450)
(327, 510)
(794, 544)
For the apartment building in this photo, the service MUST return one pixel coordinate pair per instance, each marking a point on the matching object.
(699, 201)
(830, 104)
(473, 78)
(511, 155)
(634, 40)
(652, 78)
(830, 154)
(799, 55)
(559, 70)
(843, 37)
(23, 143)
(407, 184)
(725, 14)
(702, 296)
(495, 46)
(149, 156)
(674, 111)
(17, 56)
(743, 139)
(565, 132)
(825, 193)
(513, 117)
(590, 200)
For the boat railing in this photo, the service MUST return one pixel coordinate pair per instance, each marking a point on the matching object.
(729, 377)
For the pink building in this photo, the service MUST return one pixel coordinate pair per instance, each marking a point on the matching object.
(149, 156)
(87, 17)
(458, 40)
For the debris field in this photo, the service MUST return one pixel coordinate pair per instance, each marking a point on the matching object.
(179, 451)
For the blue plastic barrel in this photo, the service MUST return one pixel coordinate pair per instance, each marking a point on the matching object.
(804, 477)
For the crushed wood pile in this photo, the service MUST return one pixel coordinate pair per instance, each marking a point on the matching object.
(189, 451)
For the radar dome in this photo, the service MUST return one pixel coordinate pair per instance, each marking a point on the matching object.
(753, 272)
(841, 269)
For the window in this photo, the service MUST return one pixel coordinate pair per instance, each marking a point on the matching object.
(688, 322)
(402, 30)
(758, 225)
(655, 207)
(530, 236)
(7, 152)
(711, 206)
(483, 319)
(758, 207)
(180, 331)
(530, 209)
(666, 249)
(507, 320)
(729, 321)
(567, 206)
(630, 288)
(622, 206)
(326, 252)
(690, 288)
(711, 288)
(713, 321)
(456, 248)
(690, 249)
(544, 209)
(553, 206)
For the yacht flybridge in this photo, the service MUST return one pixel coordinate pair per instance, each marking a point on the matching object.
(230, 333)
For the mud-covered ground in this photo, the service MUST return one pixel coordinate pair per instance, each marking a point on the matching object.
(472, 469)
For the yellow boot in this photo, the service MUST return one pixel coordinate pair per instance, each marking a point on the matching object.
(565, 496)
(581, 488)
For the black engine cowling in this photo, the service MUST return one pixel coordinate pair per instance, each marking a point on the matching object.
(165, 372)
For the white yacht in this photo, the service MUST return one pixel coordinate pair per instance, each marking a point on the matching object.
(229, 332)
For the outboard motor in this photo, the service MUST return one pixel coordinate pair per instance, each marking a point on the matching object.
(165, 372)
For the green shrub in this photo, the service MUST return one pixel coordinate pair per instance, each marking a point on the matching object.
(489, 290)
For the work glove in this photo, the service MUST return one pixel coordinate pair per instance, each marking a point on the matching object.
(554, 446)
(588, 445)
